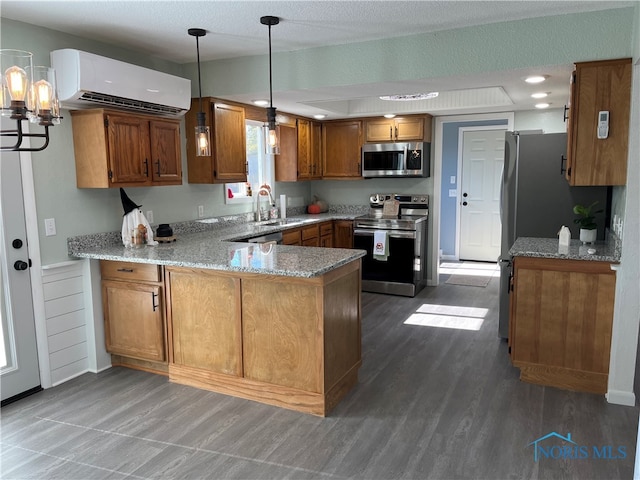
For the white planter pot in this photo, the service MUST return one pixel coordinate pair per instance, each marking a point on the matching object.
(588, 236)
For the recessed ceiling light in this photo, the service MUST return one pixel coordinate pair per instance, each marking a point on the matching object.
(319, 116)
(535, 79)
(261, 103)
(539, 95)
(542, 105)
(410, 97)
(389, 115)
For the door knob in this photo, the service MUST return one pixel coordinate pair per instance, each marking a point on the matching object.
(464, 204)
(20, 265)
(17, 243)
(465, 195)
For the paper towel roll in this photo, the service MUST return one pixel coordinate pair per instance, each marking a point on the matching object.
(283, 206)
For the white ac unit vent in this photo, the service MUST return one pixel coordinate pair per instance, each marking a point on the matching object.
(86, 80)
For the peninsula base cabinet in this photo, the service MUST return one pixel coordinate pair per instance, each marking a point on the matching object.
(560, 322)
(134, 320)
(285, 341)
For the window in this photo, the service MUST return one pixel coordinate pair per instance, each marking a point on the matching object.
(260, 167)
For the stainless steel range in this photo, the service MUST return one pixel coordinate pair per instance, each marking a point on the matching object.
(400, 266)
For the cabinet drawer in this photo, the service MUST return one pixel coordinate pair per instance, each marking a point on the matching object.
(309, 232)
(326, 229)
(311, 242)
(130, 271)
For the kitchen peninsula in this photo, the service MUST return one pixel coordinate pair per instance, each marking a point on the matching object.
(561, 312)
(273, 323)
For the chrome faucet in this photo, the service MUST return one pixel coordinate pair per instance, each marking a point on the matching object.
(258, 217)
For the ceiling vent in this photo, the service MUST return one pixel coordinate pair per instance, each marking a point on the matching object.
(86, 80)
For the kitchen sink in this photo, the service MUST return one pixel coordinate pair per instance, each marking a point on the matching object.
(281, 221)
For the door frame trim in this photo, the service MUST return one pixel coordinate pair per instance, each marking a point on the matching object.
(434, 210)
(33, 249)
(461, 131)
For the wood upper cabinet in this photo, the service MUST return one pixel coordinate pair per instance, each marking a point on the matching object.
(596, 87)
(228, 159)
(120, 149)
(309, 150)
(300, 147)
(397, 129)
(343, 233)
(133, 304)
(165, 149)
(560, 322)
(341, 149)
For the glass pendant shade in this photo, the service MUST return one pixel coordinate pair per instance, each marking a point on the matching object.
(16, 67)
(203, 137)
(42, 101)
(272, 133)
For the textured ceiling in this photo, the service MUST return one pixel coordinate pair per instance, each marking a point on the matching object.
(159, 28)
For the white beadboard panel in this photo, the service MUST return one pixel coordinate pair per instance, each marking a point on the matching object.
(66, 317)
(62, 288)
(65, 322)
(68, 355)
(59, 306)
(67, 339)
(69, 371)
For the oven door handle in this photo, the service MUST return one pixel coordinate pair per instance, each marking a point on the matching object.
(392, 233)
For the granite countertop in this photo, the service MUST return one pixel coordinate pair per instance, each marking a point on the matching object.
(602, 251)
(213, 244)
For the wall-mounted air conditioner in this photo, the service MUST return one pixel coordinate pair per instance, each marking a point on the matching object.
(86, 80)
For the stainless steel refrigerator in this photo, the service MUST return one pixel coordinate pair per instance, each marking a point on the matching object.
(537, 199)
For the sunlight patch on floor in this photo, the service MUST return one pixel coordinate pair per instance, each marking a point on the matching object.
(448, 316)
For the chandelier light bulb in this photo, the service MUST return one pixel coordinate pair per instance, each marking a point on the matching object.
(17, 83)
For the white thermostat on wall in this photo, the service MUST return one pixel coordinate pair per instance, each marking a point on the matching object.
(603, 124)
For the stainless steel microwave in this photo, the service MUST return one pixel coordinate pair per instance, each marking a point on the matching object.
(407, 159)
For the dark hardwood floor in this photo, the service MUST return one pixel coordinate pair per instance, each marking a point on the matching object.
(431, 402)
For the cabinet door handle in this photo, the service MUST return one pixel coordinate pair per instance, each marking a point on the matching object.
(158, 164)
(146, 167)
(565, 117)
(563, 159)
(396, 137)
(153, 300)
(391, 132)
(246, 168)
(127, 270)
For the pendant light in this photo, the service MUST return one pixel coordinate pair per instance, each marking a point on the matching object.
(203, 137)
(272, 130)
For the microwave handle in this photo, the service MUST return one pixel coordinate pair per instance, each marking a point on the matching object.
(404, 158)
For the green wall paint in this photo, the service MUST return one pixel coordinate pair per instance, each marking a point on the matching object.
(495, 47)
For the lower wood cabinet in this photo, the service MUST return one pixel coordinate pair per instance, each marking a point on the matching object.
(286, 341)
(343, 233)
(560, 322)
(133, 304)
(205, 320)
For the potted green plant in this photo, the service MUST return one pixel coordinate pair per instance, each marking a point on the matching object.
(587, 221)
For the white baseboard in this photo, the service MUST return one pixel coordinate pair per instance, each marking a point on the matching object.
(620, 397)
(449, 258)
(70, 377)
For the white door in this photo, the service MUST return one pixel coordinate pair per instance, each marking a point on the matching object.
(19, 371)
(480, 226)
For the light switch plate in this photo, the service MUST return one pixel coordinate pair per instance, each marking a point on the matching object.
(200, 211)
(452, 179)
(150, 216)
(453, 192)
(49, 227)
